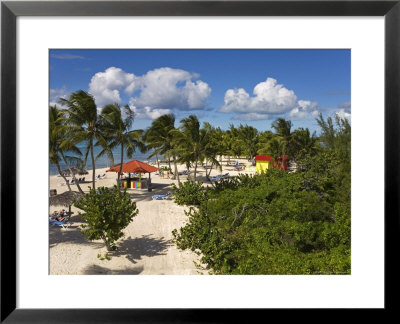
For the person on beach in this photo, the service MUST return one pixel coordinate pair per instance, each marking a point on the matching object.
(53, 215)
(58, 215)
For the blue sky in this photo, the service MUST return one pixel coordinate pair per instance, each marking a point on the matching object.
(222, 87)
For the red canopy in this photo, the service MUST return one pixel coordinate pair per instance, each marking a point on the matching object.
(134, 166)
(262, 158)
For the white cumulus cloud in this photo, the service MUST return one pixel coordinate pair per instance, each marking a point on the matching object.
(157, 92)
(342, 113)
(167, 88)
(147, 112)
(305, 110)
(269, 97)
(106, 86)
(344, 110)
(56, 94)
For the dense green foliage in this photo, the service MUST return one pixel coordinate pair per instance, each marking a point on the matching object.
(107, 212)
(189, 193)
(279, 222)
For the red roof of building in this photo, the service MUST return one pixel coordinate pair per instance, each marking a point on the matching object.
(134, 166)
(262, 158)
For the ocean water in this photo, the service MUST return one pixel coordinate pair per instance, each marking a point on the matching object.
(103, 161)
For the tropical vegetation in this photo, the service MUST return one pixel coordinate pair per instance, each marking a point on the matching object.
(277, 222)
(107, 212)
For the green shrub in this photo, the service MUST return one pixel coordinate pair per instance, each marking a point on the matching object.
(273, 223)
(189, 193)
(107, 212)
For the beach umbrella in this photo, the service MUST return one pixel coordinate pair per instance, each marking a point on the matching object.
(65, 199)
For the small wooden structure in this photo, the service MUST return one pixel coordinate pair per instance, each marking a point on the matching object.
(135, 166)
(280, 163)
(263, 163)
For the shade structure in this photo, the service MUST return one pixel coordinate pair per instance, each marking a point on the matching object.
(65, 198)
(134, 166)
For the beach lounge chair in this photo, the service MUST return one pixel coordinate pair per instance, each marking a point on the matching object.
(162, 197)
(65, 223)
(219, 177)
(216, 178)
(99, 177)
(65, 183)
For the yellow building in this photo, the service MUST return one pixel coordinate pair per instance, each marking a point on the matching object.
(263, 163)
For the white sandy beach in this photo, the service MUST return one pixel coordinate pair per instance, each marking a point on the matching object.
(146, 247)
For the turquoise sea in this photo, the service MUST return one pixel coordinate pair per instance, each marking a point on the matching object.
(103, 162)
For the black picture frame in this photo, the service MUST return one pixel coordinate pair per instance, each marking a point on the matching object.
(10, 10)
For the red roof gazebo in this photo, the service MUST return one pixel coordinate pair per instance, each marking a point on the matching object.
(134, 166)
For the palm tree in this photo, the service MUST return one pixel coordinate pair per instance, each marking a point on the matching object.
(228, 141)
(283, 129)
(115, 124)
(249, 136)
(84, 124)
(59, 144)
(236, 144)
(164, 138)
(211, 147)
(217, 139)
(274, 147)
(302, 143)
(193, 141)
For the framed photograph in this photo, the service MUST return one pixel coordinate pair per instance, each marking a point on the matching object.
(293, 171)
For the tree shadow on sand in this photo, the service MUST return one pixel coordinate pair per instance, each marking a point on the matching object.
(98, 270)
(157, 189)
(135, 248)
(70, 235)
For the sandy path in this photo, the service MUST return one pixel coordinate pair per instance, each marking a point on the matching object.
(147, 246)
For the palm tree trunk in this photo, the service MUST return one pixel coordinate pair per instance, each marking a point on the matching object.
(169, 161)
(176, 175)
(209, 172)
(120, 167)
(72, 174)
(195, 170)
(61, 174)
(158, 161)
(93, 164)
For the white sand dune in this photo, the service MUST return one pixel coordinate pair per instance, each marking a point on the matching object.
(147, 246)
